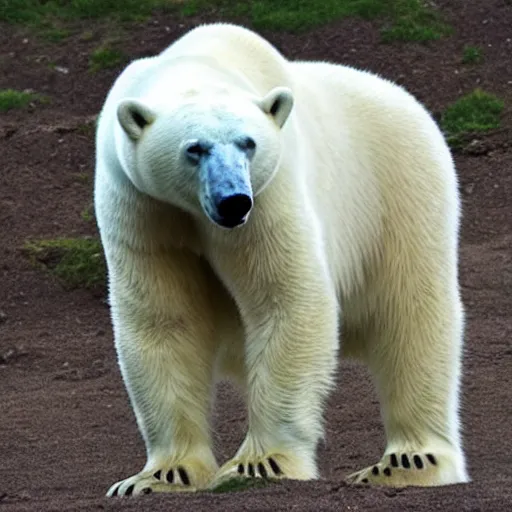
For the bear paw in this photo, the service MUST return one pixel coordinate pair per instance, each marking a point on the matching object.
(408, 469)
(186, 476)
(266, 467)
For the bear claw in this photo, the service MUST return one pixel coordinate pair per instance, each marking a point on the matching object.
(167, 479)
(259, 470)
(398, 469)
(264, 468)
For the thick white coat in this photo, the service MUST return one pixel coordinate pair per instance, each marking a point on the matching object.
(353, 237)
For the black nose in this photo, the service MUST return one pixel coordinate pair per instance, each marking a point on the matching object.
(233, 209)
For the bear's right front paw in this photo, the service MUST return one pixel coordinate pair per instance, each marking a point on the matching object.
(190, 476)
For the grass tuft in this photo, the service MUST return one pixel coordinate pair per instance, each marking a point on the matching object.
(472, 55)
(87, 35)
(12, 99)
(87, 213)
(77, 262)
(56, 34)
(243, 484)
(475, 112)
(105, 58)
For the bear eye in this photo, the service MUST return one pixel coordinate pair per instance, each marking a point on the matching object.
(247, 144)
(195, 150)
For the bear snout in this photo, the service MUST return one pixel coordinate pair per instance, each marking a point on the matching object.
(233, 209)
(225, 185)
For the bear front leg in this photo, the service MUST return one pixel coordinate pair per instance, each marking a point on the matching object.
(164, 336)
(289, 310)
(414, 353)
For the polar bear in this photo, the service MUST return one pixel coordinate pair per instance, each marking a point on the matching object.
(255, 211)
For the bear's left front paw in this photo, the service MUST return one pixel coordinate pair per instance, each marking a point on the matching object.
(410, 469)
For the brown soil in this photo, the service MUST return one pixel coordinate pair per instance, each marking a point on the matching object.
(66, 429)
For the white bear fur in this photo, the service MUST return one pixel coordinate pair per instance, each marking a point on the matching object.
(353, 237)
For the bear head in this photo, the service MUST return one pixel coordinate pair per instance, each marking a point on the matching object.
(209, 150)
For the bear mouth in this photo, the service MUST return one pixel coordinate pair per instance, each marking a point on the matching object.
(228, 221)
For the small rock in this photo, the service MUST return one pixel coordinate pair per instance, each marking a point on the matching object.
(476, 147)
(468, 189)
(12, 355)
(3, 317)
(61, 69)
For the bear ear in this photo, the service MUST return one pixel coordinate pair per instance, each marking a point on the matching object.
(134, 116)
(278, 103)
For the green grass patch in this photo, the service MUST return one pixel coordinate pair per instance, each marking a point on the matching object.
(413, 20)
(243, 484)
(83, 177)
(87, 213)
(87, 129)
(87, 35)
(472, 55)
(56, 34)
(36, 12)
(12, 99)
(475, 112)
(405, 20)
(77, 262)
(105, 58)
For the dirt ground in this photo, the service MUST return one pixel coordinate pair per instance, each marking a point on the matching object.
(67, 431)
